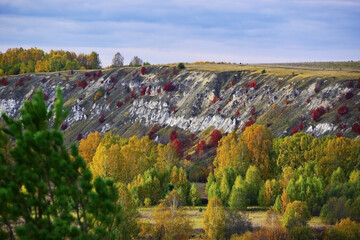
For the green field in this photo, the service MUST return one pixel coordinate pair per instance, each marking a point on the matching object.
(257, 217)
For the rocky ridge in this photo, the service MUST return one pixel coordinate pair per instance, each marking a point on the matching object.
(132, 100)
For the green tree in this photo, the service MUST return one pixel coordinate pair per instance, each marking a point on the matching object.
(194, 195)
(238, 198)
(47, 190)
(296, 214)
(136, 62)
(254, 182)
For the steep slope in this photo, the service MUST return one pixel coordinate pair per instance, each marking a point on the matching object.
(131, 100)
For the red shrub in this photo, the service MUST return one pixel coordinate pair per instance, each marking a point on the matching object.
(110, 100)
(253, 111)
(71, 72)
(214, 100)
(337, 118)
(168, 87)
(175, 71)
(87, 74)
(159, 90)
(356, 128)
(237, 113)
(214, 138)
(132, 94)
(46, 97)
(317, 89)
(232, 83)
(4, 81)
(102, 118)
(308, 100)
(220, 99)
(178, 146)
(173, 135)
(301, 126)
(248, 123)
(253, 84)
(302, 118)
(81, 84)
(200, 148)
(188, 157)
(127, 99)
(166, 72)
(286, 101)
(343, 110)
(349, 95)
(294, 130)
(342, 126)
(218, 110)
(112, 79)
(148, 90)
(174, 109)
(317, 113)
(143, 70)
(338, 134)
(142, 91)
(79, 137)
(151, 134)
(63, 126)
(350, 84)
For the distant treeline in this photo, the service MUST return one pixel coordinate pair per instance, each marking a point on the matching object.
(18, 61)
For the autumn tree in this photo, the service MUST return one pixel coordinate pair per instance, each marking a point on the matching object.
(258, 140)
(45, 191)
(167, 156)
(232, 153)
(296, 214)
(171, 221)
(214, 219)
(345, 229)
(118, 60)
(88, 146)
(214, 138)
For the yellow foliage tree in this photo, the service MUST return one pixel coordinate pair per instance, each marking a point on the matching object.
(258, 140)
(171, 222)
(232, 153)
(167, 156)
(214, 219)
(88, 146)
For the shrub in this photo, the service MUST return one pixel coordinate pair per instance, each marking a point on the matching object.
(4, 82)
(317, 88)
(214, 138)
(168, 87)
(79, 136)
(99, 94)
(102, 118)
(63, 126)
(143, 70)
(181, 66)
(350, 84)
(119, 104)
(248, 123)
(356, 128)
(178, 146)
(147, 202)
(46, 97)
(173, 135)
(263, 71)
(253, 84)
(200, 148)
(349, 95)
(317, 113)
(343, 110)
(132, 94)
(237, 113)
(142, 91)
(87, 74)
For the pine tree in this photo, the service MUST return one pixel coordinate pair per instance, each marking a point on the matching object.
(44, 190)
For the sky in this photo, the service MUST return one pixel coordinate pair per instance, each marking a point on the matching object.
(169, 31)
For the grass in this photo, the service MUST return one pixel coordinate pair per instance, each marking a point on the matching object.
(256, 216)
(325, 70)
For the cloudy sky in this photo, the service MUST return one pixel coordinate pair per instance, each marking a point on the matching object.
(166, 31)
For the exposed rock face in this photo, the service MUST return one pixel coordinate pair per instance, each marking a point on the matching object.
(189, 100)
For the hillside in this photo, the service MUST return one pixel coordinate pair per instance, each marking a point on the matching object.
(130, 101)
